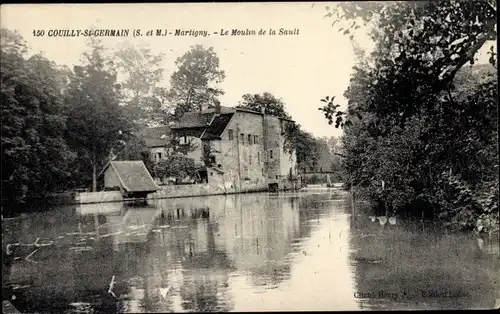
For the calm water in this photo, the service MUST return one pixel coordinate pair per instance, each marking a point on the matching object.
(253, 252)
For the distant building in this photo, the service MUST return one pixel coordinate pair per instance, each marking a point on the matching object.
(235, 144)
(156, 140)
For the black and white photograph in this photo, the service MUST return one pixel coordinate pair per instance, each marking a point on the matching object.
(249, 156)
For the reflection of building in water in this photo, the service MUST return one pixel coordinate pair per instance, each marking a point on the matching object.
(257, 233)
(178, 267)
(204, 267)
(119, 222)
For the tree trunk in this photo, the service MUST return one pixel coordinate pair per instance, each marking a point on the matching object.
(94, 176)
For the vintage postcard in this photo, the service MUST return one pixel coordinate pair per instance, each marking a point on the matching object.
(287, 156)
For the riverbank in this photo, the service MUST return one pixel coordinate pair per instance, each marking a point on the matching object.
(334, 186)
(166, 191)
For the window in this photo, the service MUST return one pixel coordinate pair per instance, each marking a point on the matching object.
(184, 140)
(250, 160)
(270, 154)
(158, 156)
(258, 157)
(230, 134)
(242, 138)
(212, 159)
(256, 139)
(249, 139)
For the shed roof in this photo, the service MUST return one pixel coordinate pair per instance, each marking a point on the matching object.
(134, 176)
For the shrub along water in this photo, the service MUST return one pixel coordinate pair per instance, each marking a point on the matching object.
(421, 128)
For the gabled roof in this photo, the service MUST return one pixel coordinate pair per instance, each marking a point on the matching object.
(218, 125)
(203, 119)
(134, 176)
(209, 124)
(194, 120)
(156, 136)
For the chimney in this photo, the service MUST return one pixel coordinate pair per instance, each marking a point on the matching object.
(217, 107)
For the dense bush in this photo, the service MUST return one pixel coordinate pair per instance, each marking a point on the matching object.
(421, 128)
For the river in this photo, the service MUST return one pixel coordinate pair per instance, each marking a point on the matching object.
(248, 252)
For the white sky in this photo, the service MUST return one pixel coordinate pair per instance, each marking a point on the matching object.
(300, 69)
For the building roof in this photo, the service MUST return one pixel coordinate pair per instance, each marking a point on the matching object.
(218, 125)
(194, 120)
(204, 118)
(134, 176)
(207, 124)
(156, 136)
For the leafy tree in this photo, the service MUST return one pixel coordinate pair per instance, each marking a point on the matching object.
(307, 151)
(412, 122)
(35, 157)
(194, 84)
(142, 72)
(97, 124)
(271, 104)
(135, 148)
(177, 165)
(418, 44)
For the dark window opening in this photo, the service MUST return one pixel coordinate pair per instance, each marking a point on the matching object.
(230, 134)
(183, 140)
(271, 154)
(242, 138)
(249, 139)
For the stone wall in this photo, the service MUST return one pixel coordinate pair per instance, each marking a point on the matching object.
(173, 191)
(98, 197)
(251, 163)
(279, 161)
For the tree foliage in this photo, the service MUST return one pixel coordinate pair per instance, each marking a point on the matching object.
(416, 120)
(271, 104)
(142, 73)
(194, 83)
(177, 166)
(35, 157)
(97, 124)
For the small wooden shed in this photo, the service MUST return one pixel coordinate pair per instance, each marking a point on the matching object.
(131, 177)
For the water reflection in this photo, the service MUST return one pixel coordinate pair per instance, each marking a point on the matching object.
(408, 265)
(288, 251)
